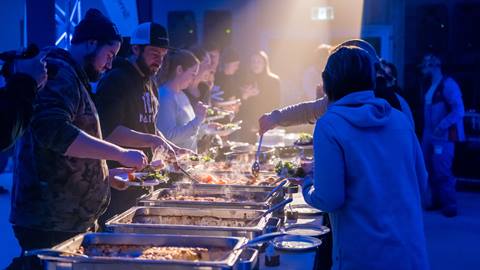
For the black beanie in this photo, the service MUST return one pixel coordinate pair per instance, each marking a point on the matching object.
(95, 26)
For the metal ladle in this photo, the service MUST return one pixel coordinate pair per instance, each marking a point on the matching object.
(256, 164)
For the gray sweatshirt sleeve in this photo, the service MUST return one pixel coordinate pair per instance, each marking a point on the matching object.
(301, 113)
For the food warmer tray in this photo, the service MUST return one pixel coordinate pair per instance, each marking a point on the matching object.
(234, 258)
(135, 220)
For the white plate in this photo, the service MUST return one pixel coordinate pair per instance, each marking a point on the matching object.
(215, 117)
(213, 131)
(124, 178)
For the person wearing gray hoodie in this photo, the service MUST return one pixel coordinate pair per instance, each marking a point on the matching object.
(369, 172)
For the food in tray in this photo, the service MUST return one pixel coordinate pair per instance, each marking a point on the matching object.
(204, 158)
(148, 252)
(250, 197)
(189, 220)
(211, 112)
(207, 178)
(289, 169)
(304, 139)
(234, 167)
(197, 198)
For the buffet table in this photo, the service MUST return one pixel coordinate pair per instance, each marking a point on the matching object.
(220, 210)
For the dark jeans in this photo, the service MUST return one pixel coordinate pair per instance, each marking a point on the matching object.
(439, 158)
(29, 239)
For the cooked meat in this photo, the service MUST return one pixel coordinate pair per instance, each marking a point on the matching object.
(149, 252)
(189, 220)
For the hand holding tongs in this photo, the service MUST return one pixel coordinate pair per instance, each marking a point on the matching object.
(256, 164)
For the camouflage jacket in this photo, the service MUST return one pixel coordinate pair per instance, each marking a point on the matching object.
(51, 191)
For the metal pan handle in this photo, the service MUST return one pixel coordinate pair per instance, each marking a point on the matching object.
(247, 260)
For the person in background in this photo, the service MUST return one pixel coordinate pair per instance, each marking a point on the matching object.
(179, 120)
(308, 112)
(60, 179)
(387, 78)
(127, 106)
(25, 74)
(312, 77)
(443, 126)
(213, 51)
(261, 94)
(199, 89)
(227, 79)
(370, 195)
(391, 76)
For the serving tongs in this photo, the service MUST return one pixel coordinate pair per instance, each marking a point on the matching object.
(256, 164)
(187, 174)
(276, 189)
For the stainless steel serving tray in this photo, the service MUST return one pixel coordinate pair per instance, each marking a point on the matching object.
(125, 222)
(247, 198)
(288, 188)
(119, 263)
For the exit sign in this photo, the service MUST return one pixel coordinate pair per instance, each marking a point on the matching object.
(321, 13)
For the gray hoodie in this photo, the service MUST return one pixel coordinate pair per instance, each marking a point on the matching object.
(370, 177)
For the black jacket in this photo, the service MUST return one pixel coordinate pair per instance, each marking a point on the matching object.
(126, 98)
(16, 105)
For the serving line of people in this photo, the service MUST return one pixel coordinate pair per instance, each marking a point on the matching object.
(61, 183)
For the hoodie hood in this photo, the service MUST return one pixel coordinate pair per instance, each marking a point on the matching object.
(362, 109)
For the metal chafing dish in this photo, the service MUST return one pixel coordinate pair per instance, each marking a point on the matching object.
(245, 197)
(238, 180)
(288, 188)
(234, 257)
(153, 220)
(247, 153)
